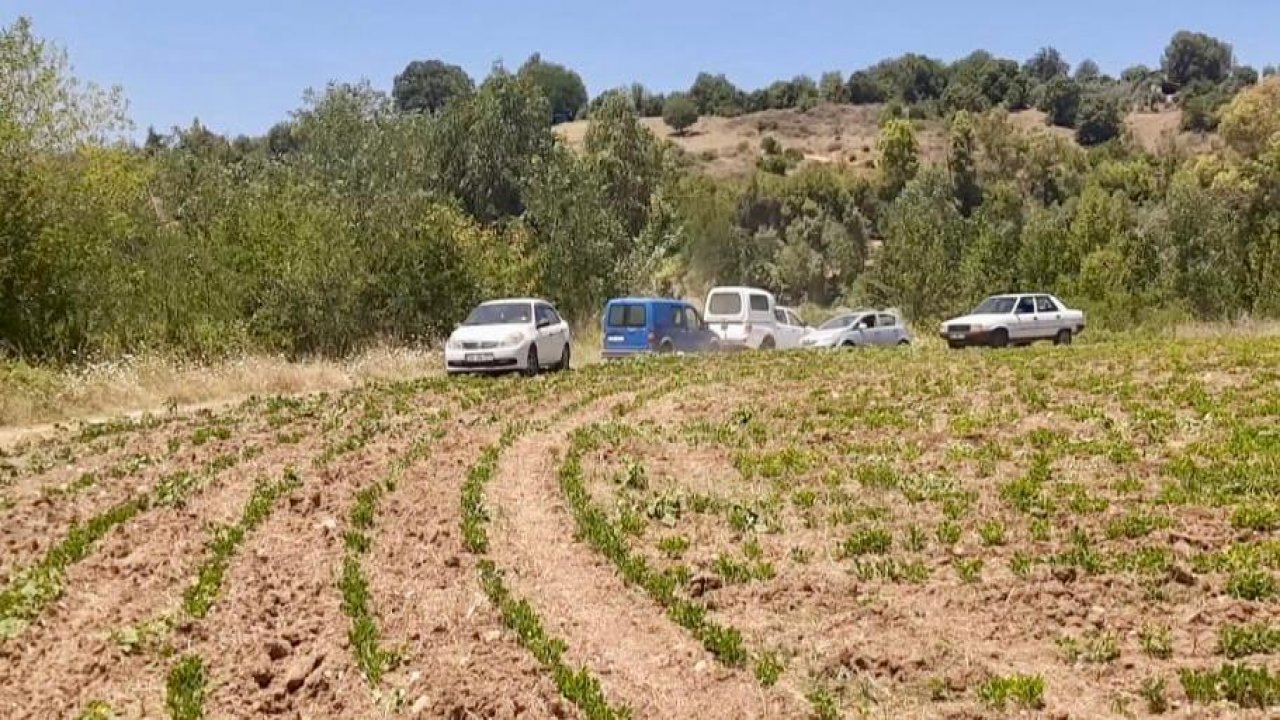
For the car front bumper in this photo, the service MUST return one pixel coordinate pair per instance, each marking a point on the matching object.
(968, 338)
(501, 359)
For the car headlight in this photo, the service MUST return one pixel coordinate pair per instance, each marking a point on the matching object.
(453, 343)
(513, 340)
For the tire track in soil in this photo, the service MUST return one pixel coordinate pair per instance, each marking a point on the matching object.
(461, 660)
(641, 658)
(138, 571)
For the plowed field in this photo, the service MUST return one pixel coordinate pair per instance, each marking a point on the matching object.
(1061, 532)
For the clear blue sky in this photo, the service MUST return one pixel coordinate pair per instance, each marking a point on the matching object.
(240, 66)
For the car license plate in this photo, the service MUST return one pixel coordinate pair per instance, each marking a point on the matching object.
(479, 357)
(957, 336)
(614, 338)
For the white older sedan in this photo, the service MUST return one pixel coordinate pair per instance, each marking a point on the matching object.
(860, 328)
(520, 334)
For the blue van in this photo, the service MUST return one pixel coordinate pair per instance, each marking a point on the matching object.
(634, 326)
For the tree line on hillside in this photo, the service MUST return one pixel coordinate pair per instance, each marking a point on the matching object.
(363, 219)
(1197, 72)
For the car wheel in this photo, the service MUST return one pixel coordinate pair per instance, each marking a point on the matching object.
(713, 346)
(955, 345)
(564, 359)
(666, 348)
(531, 362)
(1000, 338)
(904, 341)
(767, 343)
(848, 344)
(1063, 337)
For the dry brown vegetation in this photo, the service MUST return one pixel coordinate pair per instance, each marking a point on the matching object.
(848, 134)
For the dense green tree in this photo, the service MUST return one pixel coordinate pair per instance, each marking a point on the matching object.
(1060, 101)
(1046, 65)
(679, 113)
(1251, 122)
(924, 240)
(1088, 72)
(980, 81)
(912, 78)
(429, 85)
(715, 95)
(899, 156)
(1099, 120)
(563, 88)
(628, 159)
(962, 163)
(832, 87)
(864, 88)
(1196, 57)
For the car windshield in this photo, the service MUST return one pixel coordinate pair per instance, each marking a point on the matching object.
(836, 323)
(999, 305)
(724, 304)
(500, 314)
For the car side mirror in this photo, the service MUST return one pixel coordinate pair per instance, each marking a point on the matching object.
(543, 323)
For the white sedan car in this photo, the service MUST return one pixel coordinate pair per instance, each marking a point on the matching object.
(861, 328)
(524, 334)
(1015, 319)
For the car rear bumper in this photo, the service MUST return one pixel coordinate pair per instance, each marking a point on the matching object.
(619, 353)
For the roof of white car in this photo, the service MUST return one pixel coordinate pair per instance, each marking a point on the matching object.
(739, 289)
(514, 300)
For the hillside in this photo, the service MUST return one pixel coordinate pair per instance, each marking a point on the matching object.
(848, 133)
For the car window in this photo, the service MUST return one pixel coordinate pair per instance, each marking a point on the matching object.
(543, 314)
(552, 315)
(995, 306)
(779, 315)
(1026, 306)
(626, 315)
(759, 303)
(677, 316)
(1045, 304)
(499, 314)
(724, 303)
(886, 321)
(867, 321)
(794, 319)
(692, 319)
(841, 321)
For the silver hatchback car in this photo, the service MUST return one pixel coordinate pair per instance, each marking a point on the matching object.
(860, 328)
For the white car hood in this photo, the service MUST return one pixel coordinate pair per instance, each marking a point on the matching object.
(983, 319)
(488, 333)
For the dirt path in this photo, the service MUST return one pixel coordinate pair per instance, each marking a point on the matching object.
(641, 657)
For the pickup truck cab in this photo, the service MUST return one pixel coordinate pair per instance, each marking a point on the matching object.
(1014, 319)
(639, 325)
(749, 318)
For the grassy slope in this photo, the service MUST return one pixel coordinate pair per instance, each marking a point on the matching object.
(846, 133)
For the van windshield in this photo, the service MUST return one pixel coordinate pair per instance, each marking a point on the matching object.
(626, 315)
(724, 304)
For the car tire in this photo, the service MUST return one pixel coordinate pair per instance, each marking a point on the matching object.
(904, 341)
(531, 361)
(565, 359)
(767, 343)
(848, 344)
(666, 348)
(955, 345)
(1063, 337)
(713, 346)
(1000, 338)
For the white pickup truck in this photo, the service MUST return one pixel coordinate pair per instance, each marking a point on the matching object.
(1014, 319)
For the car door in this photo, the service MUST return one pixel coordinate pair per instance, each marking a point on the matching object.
(786, 332)
(699, 336)
(550, 337)
(798, 328)
(1024, 324)
(677, 326)
(1048, 317)
(887, 330)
